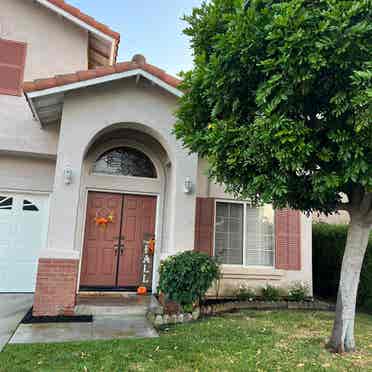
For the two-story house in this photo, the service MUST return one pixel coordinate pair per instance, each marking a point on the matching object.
(91, 175)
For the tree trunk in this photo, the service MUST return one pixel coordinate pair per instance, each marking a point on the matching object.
(342, 339)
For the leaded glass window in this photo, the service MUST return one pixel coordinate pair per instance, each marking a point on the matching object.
(125, 161)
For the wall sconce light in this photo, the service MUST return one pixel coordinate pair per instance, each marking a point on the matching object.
(188, 186)
(67, 176)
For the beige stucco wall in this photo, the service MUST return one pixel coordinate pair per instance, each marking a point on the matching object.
(19, 173)
(254, 277)
(54, 46)
(339, 218)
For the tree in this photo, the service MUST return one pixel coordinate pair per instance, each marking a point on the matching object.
(279, 102)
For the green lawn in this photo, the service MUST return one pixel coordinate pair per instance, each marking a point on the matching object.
(248, 341)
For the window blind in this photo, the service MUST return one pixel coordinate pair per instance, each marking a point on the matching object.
(229, 233)
(260, 236)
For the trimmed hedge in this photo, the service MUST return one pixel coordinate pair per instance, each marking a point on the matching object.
(328, 249)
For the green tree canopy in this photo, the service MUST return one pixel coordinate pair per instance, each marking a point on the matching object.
(280, 103)
(280, 99)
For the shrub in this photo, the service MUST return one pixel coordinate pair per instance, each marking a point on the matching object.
(186, 277)
(328, 250)
(298, 292)
(245, 293)
(271, 293)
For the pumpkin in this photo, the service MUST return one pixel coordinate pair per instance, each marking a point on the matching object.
(141, 291)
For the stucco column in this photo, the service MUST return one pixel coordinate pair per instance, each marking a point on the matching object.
(182, 216)
(65, 199)
(57, 277)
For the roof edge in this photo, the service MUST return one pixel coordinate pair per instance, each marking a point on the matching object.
(61, 6)
(99, 75)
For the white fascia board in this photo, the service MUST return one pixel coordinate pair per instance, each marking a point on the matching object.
(76, 20)
(162, 84)
(33, 108)
(105, 79)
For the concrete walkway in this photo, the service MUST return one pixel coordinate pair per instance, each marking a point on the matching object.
(13, 307)
(113, 318)
(102, 328)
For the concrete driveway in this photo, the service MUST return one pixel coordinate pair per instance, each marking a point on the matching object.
(13, 307)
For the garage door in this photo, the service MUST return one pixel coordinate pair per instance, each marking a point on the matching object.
(23, 223)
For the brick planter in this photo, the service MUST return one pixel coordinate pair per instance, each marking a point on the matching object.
(56, 287)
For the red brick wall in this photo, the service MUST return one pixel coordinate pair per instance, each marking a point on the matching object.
(56, 287)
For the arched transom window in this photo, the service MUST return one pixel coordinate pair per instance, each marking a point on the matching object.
(125, 161)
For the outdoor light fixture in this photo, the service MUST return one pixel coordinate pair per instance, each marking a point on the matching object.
(68, 175)
(188, 185)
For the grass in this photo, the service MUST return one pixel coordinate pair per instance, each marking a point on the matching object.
(246, 341)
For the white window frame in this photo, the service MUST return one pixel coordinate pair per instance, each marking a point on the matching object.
(245, 204)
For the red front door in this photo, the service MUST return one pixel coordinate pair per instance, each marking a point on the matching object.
(113, 253)
(138, 225)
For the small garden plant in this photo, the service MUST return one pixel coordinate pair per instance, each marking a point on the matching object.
(245, 293)
(298, 292)
(271, 293)
(186, 277)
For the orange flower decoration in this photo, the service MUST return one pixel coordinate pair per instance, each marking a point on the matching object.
(104, 221)
(152, 246)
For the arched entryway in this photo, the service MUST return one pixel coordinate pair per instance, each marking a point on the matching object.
(123, 183)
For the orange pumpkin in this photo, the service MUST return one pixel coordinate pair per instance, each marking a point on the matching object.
(141, 291)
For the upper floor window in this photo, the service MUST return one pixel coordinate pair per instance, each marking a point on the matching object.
(125, 161)
(12, 65)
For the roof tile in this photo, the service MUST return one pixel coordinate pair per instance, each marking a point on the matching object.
(42, 84)
(67, 79)
(86, 75)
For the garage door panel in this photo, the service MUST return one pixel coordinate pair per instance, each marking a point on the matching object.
(22, 237)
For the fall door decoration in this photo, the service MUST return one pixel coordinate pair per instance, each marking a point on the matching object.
(104, 217)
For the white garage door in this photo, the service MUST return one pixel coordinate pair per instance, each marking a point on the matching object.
(23, 223)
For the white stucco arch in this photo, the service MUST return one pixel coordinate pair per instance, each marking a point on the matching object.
(126, 185)
(136, 126)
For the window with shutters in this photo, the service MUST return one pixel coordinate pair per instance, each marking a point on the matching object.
(244, 235)
(12, 65)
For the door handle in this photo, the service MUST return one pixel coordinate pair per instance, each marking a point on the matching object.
(117, 247)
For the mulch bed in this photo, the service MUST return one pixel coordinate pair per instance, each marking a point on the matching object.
(30, 319)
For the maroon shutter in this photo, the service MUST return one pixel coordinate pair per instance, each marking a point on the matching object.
(12, 66)
(288, 239)
(204, 225)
